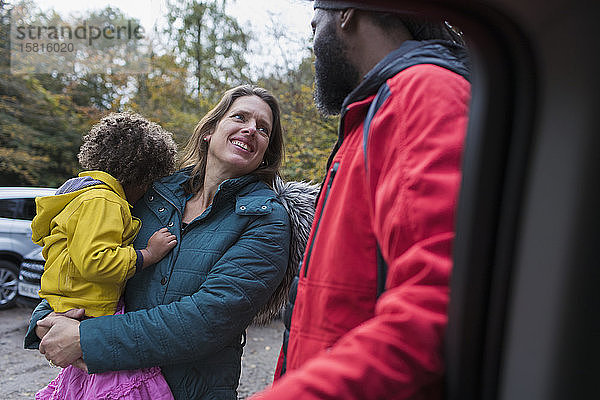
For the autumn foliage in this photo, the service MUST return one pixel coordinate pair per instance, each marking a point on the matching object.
(44, 116)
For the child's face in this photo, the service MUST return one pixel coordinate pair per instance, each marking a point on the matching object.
(134, 193)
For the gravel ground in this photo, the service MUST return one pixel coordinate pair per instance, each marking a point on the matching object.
(260, 357)
(23, 372)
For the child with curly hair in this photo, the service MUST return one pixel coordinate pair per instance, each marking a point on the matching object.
(87, 231)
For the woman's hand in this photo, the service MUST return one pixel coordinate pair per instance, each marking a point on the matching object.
(60, 343)
(75, 313)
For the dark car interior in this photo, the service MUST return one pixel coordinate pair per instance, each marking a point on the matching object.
(523, 312)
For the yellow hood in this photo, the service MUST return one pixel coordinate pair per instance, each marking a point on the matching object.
(48, 207)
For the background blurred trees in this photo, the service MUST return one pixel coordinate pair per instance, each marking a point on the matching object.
(211, 43)
(40, 132)
(203, 52)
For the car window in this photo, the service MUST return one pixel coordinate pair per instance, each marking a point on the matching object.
(9, 208)
(28, 209)
(17, 209)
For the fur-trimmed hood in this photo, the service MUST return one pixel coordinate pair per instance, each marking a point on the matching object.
(298, 199)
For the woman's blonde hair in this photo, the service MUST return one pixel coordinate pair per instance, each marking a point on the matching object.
(196, 150)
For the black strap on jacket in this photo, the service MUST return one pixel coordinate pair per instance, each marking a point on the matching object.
(382, 94)
(381, 272)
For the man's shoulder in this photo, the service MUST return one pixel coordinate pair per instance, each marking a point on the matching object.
(426, 85)
(424, 74)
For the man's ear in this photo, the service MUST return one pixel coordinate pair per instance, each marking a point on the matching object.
(346, 18)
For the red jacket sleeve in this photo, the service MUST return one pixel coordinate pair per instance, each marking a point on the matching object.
(414, 154)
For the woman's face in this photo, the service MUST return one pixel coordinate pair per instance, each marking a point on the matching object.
(240, 139)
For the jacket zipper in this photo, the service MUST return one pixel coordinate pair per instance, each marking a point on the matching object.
(312, 242)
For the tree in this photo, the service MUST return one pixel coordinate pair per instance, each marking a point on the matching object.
(163, 97)
(211, 43)
(309, 136)
(43, 116)
(38, 129)
(4, 35)
(40, 133)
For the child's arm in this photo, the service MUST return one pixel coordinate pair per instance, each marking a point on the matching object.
(159, 244)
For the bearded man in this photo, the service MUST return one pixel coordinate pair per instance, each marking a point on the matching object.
(371, 302)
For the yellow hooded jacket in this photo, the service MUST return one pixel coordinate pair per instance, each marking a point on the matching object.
(86, 236)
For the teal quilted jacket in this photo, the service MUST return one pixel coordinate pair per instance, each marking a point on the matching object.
(188, 312)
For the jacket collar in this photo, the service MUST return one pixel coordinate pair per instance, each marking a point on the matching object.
(107, 179)
(172, 187)
(412, 52)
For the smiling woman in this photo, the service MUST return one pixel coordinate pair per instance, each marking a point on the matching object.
(189, 311)
(243, 111)
(239, 142)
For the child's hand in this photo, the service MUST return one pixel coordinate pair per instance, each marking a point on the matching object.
(159, 244)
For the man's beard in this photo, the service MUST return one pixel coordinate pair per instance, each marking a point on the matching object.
(335, 76)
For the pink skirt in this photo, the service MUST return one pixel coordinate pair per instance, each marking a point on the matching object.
(75, 384)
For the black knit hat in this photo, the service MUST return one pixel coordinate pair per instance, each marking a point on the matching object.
(342, 5)
(420, 27)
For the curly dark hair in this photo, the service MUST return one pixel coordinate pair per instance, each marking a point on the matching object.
(132, 149)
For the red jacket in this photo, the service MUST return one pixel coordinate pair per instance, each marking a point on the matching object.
(345, 342)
